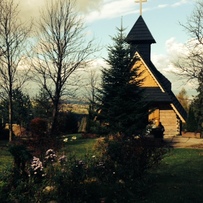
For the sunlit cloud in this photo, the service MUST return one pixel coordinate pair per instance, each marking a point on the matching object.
(162, 5)
(30, 9)
(181, 2)
(89, 5)
(165, 64)
(94, 10)
(112, 9)
(173, 50)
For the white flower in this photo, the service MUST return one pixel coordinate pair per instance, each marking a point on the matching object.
(65, 139)
(121, 181)
(48, 188)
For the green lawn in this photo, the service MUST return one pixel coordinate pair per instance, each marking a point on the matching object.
(5, 156)
(79, 147)
(179, 178)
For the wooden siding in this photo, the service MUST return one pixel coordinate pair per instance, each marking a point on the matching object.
(155, 115)
(167, 116)
(169, 120)
(149, 81)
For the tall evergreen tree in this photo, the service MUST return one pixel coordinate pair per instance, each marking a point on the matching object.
(198, 103)
(122, 106)
(22, 113)
(192, 122)
(42, 105)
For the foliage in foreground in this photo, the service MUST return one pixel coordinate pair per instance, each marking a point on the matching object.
(115, 175)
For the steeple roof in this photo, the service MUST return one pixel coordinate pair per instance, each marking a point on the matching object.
(140, 33)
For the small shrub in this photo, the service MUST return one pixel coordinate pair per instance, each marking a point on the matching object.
(38, 127)
(126, 161)
(21, 157)
(68, 122)
(89, 135)
(134, 156)
(41, 140)
(4, 134)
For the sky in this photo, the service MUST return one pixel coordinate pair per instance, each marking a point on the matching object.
(163, 18)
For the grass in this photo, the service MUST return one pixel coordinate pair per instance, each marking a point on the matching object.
(5, 156)
(80, 147)
(179, 178)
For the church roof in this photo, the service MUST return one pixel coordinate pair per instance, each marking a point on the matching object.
(140, 33)
(141, 39)
(163, 92)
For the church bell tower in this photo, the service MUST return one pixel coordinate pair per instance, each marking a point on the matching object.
(140, 38)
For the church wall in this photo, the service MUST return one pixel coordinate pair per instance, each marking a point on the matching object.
(149, 81)
(154, 115)
(170, 122)
(167, 116)
(164, 112)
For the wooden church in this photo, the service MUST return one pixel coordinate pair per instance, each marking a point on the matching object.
(157, 87)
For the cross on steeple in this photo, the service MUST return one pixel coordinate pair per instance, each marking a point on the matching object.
(140, 1)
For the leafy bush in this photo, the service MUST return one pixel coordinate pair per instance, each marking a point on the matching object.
(40, 140)
(68, 122)
(4, 134)
(65, 178)
(115, 174)
(89, 135)
(20, 157)
(135, 156)
(38, 127)
(126, 161)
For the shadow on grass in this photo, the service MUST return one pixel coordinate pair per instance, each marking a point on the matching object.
(178, 179)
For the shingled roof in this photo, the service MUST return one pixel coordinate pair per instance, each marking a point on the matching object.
(140, 33)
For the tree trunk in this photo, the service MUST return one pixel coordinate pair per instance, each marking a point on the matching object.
(10, 110)
(54, 126)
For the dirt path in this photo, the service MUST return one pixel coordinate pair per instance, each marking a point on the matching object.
(182, 142)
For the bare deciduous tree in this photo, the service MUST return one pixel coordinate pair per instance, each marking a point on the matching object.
(61, 50)
(92, 86)
(190, 63)
(183, 99)
(13, 36)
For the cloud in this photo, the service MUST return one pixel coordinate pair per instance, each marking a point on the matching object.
(162, 5)
(95, 9)
(115, 8)
(88, 5)
(179, 3)
(174, 49)
(111, 9)
(30, 8)
(164, 63)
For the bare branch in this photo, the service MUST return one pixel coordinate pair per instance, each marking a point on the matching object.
(190, 63)
(13, 36)
(61, 47)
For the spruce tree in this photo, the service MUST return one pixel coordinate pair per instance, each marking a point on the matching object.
(198, 103)
(123, 109)
(192, 123)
